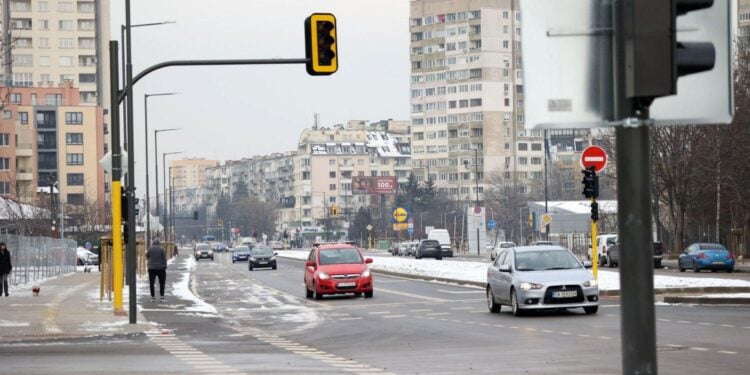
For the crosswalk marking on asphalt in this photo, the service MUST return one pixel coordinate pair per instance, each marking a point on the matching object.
(186, 353)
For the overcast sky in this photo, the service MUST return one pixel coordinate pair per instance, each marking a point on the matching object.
(235, 112)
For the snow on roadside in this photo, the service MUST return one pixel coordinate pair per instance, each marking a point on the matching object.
(477, 272)
(727, 295)
(181, 290)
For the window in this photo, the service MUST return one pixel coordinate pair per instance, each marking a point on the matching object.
(332, 187)
(332, 162)
(65, 6)
(4, 139)
(65, 25)
(536, 147)
(44, 61)
(74, 159)
(7, 114)
(74, 118)
(23, 60)
(66, 43)
(5, 188)
(75, 179)
(15, 98)
(44, 25)
(24, 117)
(65, 61)
(523, 161)
(523, 146)
(4, 164)
(75, 199)
(74, 138)
(23, 79)
(332, 174)
(536, 161)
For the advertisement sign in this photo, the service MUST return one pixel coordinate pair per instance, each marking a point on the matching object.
(374, 185)
(400, 218)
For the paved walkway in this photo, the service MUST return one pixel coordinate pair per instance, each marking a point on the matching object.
(67, 306)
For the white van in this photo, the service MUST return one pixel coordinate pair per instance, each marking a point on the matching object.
(442, 236)
(603, 241)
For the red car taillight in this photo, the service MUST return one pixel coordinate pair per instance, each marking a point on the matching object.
(730, 256)
(701, 255)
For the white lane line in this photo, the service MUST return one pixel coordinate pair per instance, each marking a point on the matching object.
(461, 291)
(664, 320)
(547, 331)
(531, 329)
(706, 324)
(393, 316)
(379, 312)
(456, 321)
(727, 325)
(351, 318)
(477, 311)
(698, 349)
(436, 314)
(564, 333)
(420, 310)
(684, 321)
(604, 337)
(726, 352)
(461, 308)
(410, 295)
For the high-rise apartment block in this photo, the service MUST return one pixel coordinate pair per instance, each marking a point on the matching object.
(467, 96)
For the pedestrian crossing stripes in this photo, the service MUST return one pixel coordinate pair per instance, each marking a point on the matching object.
(198, 360)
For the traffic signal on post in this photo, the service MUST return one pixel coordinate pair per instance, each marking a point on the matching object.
(594, 211)
(136, 202)
(320, 44)
(590, 183)
(125, 232)
(655, 58)
(124, 206)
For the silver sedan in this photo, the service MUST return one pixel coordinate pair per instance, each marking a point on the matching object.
(540, 277)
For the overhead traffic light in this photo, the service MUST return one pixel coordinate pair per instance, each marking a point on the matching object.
(590, 183)
(655, 58)
(320, 44)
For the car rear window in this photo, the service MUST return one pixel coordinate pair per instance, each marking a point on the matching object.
(340, 256)
(431, 243)
(711, 246)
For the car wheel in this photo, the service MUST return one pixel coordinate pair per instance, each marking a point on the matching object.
(714, 270)
(730, 270)
(368, 294)
(681, 269)
(418, 256)
(695, 267)
(491, 304)
(318, 295)
(233, 261)
(250, 267)
(611, 264)
(492, 257)
(308, 293)
(602, 261)
(657, 264)
(274, 266)
(212, 258)
(197, 259)
(438, 257)
(514, 303)
(590, 309)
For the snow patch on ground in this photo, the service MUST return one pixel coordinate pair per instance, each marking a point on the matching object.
(181, 290)
(477, 272)
(200, 315)
(727, 295)
(10, 323)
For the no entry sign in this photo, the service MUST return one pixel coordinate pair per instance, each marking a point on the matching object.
(594, 156)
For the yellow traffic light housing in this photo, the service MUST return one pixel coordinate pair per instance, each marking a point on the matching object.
(320, 44)
(334, 210)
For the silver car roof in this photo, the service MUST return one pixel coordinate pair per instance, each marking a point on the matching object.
(538, 248)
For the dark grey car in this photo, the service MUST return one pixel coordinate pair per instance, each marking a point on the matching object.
(261, 256)
(430, 249)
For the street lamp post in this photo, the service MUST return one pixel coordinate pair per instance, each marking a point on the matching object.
(421, 221)
(156, 163)
(445, 217)
(164, 163)
(148, 196)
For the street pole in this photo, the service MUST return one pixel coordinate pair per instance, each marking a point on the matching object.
(114, 111)
(638, 330)
(476, 177)
(546, 190)
(156, 166)
(148, 201)
(131, 176)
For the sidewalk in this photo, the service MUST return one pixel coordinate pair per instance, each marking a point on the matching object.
(67, 306)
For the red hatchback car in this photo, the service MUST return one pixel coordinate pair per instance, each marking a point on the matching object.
(337, 269)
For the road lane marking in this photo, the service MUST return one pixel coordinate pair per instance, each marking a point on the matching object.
(357, 318)
(435, 314)
(726, 352)
(411, 295)
(698, 349)
(531, 329)
(186, 353)
(565, 333)
(547, 331)
(393, 316)
(462, 308)
(727, 325)
(664, 320)
(477, 311)
(684, 321)
(460, 291)
(379, 312)
(604, 337)
(420, 310)
(706, 324)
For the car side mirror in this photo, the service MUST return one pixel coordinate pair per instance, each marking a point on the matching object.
(275, 253)
(587, 264)
(368, 260)
(504, 268)
(310, 264)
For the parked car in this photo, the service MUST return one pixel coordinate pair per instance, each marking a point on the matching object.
(429, 248)
(203, 251)
(277, 245)
(444, 238)
(86, 257)
(613, 254)
(540, 277)
(706, 256)
(337, 269)
(240, 254)
(393, 249)
(499, 247)
(261, 256)
(403, 248)
(219, 247)
(603, 241)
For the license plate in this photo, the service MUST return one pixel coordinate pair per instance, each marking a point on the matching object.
(262, 262)
(346, 284)
(565, 294)
(718, 262)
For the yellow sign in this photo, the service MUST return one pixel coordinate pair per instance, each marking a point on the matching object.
(546, 219)
(400, 226)
(334, 210)
(400, 215)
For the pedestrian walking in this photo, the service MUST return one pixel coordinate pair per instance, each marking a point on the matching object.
(157, 267)
(5, 268)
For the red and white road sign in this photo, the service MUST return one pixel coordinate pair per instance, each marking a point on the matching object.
(594, 156)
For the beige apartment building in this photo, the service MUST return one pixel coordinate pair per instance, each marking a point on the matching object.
(190, 173)
(328, 158)
(467, 96)
(47, 137)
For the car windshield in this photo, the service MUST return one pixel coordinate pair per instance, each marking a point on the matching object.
(202, 247)
(340, 256)
(506, 245)
(262, 251)
(241, 249)
(545, 260)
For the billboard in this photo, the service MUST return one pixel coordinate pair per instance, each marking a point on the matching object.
(374, 185)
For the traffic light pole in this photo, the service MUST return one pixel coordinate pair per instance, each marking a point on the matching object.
(594, 244)
(116, 188)
(638, 330)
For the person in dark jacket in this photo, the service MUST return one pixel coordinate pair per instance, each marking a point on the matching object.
(157, 267)
(5, 268)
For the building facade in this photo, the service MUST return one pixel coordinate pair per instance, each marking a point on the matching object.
(190, 173)
(467, 96)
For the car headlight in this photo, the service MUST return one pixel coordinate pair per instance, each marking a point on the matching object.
(252, 258)
(272, 258)
(365, 273)
(531, 286)
(323, 275)
(591, 283)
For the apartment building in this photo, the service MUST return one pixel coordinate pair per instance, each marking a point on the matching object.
(48, 137)
(191, 172)
(328, 158)
(467, 96)
(743, 18)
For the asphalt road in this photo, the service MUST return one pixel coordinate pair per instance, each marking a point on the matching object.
(262, 323)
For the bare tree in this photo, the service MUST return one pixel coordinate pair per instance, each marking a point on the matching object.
(507, 200)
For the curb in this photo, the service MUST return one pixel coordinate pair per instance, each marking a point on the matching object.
(707, 300)
(688, 290)
(428, 278)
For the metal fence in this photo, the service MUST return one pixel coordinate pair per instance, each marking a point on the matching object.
(38, 258)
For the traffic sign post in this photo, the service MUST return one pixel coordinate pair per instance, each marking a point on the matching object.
(491, 224)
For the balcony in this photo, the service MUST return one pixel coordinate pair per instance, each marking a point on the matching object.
(24, 176)
(24, 150)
